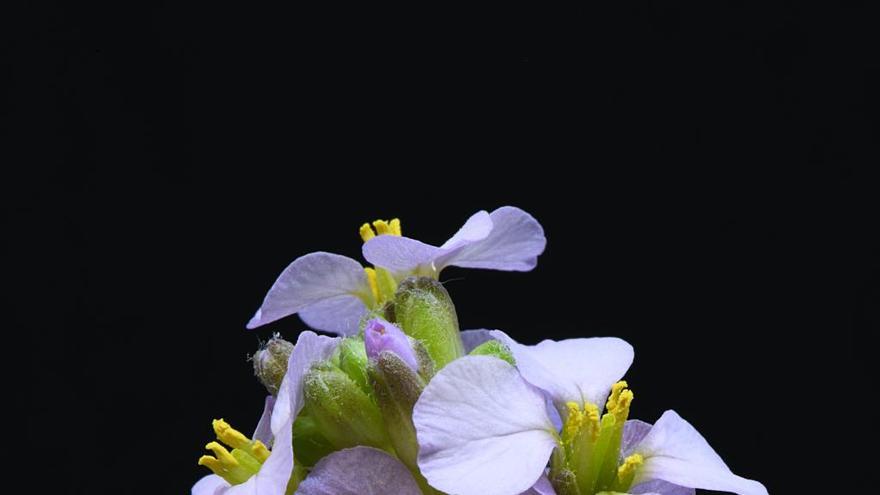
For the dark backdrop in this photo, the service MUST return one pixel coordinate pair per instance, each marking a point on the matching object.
(696, 169)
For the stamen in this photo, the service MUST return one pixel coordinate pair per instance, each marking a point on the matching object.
(627, 472)
(366, 232)
(373, 283)
(230, 436)
(619, 401)
(222, 455)
(573, 422)
(395, 227)
(239, 465)
(382, 227)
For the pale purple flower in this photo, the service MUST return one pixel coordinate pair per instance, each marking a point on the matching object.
(274, 474)
(483, 425)
(331, 292)
(507, 239)
(380, 335)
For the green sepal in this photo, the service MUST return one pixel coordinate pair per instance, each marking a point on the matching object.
(496, 349)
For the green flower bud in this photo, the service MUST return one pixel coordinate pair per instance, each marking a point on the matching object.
(270, 363)
(423, 309)
(344, 414)
(308, 442)
(397, 388)
(351, 357)
(496, 349)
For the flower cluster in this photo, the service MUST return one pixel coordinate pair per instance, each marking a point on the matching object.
(401, 401)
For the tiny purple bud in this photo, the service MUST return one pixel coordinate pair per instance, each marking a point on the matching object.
(380, 335)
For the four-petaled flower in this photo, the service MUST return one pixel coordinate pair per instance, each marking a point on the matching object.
(484, 427)
(333, 293)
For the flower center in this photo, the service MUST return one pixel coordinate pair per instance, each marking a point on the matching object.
(588, 459)
(244, 461)
(382, 283)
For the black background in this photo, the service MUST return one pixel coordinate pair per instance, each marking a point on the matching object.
(696, 169)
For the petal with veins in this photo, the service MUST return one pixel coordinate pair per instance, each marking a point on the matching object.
(514, 244)
(340, 315)
(359, 471)
(572, 370)
(310, 279)
(675, 452)
(506, 239)
(482, 430)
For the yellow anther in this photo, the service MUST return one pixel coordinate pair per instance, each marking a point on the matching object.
(573, 422)
(616, 389)
(591, 414)
(619, 401)
(371, 280)
(382, 227)
(580, 421)
(259, 451)
(211, 463)
(366, 232)
(230, 436)
(222, 455)
(395, 227)
(627, 471)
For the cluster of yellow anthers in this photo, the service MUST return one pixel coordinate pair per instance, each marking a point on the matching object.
(382, 284)
(243, 462)
(590, 438)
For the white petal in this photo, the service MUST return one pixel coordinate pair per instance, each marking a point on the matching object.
(675, 451)
(263, 432)
(514, 244)
(482, 429)
(634, 430)
(359, 471)
(210, 485)
(340, 315)
(399, 254)
(308, 280)
(309, 349)
(476, 228)
(572, 370)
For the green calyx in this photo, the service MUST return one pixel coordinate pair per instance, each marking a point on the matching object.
(423, 310)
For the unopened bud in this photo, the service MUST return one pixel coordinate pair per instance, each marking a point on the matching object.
(270, 363)
(424, 311)
(397, 387)
(381, 336)
(344, 414)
